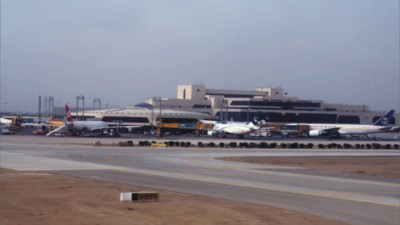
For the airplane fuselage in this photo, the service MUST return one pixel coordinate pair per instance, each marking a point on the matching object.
(347, 129)
(233, 128)
(86, 126)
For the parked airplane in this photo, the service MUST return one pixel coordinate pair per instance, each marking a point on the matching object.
(20, 121)
(4, 121)
(79, 128)
(235, 128)
(339, 130)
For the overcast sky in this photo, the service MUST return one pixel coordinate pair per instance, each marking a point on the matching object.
(124, 51)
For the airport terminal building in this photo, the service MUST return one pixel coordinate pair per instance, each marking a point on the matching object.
(195, 102)
(271, 104)
(145, 115)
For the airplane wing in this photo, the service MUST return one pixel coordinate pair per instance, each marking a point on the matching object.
(325, 132)
(331, 130)
(267, 128)
(388, 129)
(130, 128)
(395, 129)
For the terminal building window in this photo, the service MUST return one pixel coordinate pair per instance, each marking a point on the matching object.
(231, 95)
(349, 119)
(201, 107)
(317, 118)
(178, 120)
(289, 117)
(282, 105)
(126, 119)
(83, 117)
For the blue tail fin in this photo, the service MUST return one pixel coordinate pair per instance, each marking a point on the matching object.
(384, 120)
(257, 119)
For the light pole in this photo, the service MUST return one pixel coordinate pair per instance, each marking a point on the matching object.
(80, 97)
(224, 110)
(58, 111)
(51, 106)
(152, 118)
(96, 100)
(160, 106)
(159, 117)
(227, 110)
(248, 111)
(160, 123)
(40, 109)
(221, 111)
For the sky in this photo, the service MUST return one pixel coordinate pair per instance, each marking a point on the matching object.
(124, 51)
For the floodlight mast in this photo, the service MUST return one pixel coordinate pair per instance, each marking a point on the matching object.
(78, 98)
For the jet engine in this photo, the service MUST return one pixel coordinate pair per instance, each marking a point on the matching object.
(314, 133)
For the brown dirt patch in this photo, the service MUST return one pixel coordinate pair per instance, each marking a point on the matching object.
(387, 167)
(43, 198)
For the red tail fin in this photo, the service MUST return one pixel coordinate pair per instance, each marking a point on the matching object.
(69, 117)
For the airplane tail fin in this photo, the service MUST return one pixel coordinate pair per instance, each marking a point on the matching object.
(69, 116)
(255, 120)
(258, 121)
(384, 120)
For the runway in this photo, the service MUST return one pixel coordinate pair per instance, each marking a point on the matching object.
(195, 171)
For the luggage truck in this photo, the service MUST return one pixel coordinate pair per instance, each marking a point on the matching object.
(296, 130)
(175, 126)
(203, 128)
(268, 130)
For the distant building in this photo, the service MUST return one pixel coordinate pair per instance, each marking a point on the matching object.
(271, 104)
(144, 114)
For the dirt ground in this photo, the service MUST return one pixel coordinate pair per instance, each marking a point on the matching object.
(387, 167)
(44, 198)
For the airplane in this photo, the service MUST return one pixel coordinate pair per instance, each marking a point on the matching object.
(235, 128)
(21, 122)
(4, 121)
(221, 129)
(5, 124)
(83, 128)
(339, 130)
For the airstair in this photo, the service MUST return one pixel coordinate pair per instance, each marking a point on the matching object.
(53, 132)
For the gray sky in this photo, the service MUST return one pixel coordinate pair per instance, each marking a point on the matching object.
(124, 51)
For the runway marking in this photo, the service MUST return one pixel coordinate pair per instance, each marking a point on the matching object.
(24, 162)
(349, 196)
(263, 169)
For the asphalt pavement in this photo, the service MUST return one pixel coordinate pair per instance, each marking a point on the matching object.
(196, 171)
